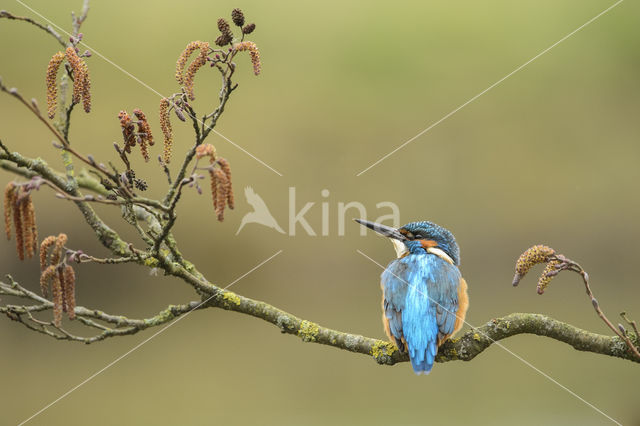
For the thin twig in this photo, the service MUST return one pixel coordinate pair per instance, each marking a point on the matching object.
(47, 29)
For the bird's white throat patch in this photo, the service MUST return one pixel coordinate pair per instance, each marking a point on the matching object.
(399, 246)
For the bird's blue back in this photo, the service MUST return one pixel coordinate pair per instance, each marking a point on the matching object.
(421, 302)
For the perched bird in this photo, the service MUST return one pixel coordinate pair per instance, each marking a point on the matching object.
(260, 213)
(424, 297)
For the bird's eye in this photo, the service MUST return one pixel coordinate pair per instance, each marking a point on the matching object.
(417, 237)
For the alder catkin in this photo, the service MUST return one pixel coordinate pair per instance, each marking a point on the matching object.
(221, 193)
(532, 256)
(69, 282)
(197, 63)
(165, 125)
(253, 51)
(46, 276)
(79, 72)
(46, 244)
(226, 168)
(17, 224)
(56, 293)
(182, 60)
(9, 198)
(52, 85)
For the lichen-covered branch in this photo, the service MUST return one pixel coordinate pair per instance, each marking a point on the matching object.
(465, 347)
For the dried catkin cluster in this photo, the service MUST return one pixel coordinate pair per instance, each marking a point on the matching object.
(130, 136)
(186, 79)
(165, 125)
(253, 51)
(128, 131)
(81, 80)
(18, 206)
(221, 187)
(60, 276)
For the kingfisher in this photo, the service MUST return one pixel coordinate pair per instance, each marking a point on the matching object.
(424, 297)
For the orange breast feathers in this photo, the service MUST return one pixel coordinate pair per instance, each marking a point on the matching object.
(463, 305)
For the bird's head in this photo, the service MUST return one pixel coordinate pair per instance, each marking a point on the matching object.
(419, 237)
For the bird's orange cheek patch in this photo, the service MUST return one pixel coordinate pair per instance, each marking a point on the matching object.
(428, 243)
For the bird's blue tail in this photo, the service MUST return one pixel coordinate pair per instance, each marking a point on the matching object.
(422, 360)
(420, 329)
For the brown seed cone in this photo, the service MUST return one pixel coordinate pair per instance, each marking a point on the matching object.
(248, 29)
(226, 168)
(182, 60)
(57, 253)
(69, 285)
(197, 63)
(224, 27)
(52, 86)
(253, 51)
(17, 224)
(223, 40)
(9, 200)
(165, 125)
(532, 256)
(58, 300)
(46, 244)
(549, 272)
(46, 276)
(79, 73)
(237, 17)
(221, 193)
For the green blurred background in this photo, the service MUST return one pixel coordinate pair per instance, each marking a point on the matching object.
(548, 156)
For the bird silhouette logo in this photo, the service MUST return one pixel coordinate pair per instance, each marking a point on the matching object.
(260, 213)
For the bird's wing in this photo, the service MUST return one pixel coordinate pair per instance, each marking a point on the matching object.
(254, 199)
(394, 292)
(423, 290)
(443, 286)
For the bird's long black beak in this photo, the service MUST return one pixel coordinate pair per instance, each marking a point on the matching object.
(385, 230)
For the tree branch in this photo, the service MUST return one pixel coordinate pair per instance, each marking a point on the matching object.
(463, 348)
(123, 325)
